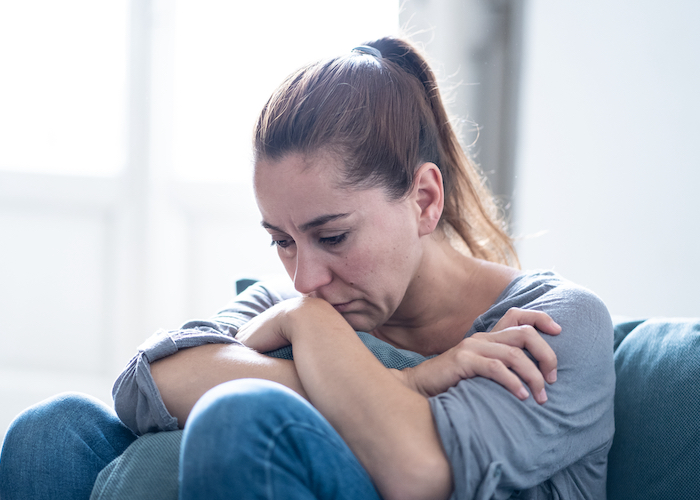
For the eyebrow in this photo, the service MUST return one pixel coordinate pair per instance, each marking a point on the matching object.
(318, 221)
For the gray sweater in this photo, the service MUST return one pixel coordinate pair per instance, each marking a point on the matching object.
(497, 445)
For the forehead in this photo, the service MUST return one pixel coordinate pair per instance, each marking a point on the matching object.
(298, 166)
(316, 177)
(300, 187)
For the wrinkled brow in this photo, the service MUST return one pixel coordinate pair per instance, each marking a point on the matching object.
(318, 221)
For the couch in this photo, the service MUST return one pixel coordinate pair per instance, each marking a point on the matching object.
(655, 452)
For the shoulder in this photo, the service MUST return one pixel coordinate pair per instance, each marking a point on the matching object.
(481, 424)
(547, 291)
(586, 338)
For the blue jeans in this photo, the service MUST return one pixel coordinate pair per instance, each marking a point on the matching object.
(244, 439)
(55, 449)
(254, 439)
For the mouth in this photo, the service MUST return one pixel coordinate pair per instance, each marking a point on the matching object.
(343, 307)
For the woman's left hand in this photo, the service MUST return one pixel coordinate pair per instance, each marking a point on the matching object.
(498, 355)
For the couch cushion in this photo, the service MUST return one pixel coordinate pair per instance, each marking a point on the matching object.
(655, 453)
(147, 470)
(656, 450)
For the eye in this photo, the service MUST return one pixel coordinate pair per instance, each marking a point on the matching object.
(281, 243)
(334, 240)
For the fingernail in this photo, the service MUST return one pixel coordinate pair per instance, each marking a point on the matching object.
(552, 377)
(542, 396)
(522, 393)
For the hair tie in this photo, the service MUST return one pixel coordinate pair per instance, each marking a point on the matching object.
(366, 49)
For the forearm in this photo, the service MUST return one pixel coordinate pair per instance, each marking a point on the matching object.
(185, 376)
(389, 427)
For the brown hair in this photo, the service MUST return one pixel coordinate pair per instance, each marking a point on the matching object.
(384, 117)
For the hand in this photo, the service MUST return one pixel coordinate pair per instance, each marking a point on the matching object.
(266, 332)
(275, 327)
(497, 355)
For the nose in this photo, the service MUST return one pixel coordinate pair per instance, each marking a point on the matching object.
(311, 272)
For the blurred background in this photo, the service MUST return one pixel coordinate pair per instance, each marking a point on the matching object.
(125, 126)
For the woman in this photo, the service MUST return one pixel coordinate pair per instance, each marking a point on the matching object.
(367, 195)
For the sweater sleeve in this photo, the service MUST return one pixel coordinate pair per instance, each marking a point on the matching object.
(498, 445)
(137, 400)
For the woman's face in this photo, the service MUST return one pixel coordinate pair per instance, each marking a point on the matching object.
(354, 248)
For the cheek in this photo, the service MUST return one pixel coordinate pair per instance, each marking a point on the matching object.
(290, 268)
(288, 262)
(397, 263)
(378, 265)
(355, 268)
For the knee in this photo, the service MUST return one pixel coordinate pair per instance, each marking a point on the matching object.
(243, 411)
(59, 421)
(245, 402)
(39, 428)
(66, 439)
(248, 415)
(51, 413)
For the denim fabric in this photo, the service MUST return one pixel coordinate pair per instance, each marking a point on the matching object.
(55, 449)
(254, 439)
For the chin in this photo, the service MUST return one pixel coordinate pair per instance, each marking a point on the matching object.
(359, 322)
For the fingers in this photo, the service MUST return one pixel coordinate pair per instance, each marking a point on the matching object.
(526, 337)
(262, 333)
(497, 371)
(507, 365)
(537, 319)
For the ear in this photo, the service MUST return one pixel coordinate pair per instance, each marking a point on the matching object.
(429, 195)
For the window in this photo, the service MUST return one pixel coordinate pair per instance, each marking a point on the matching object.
(125, 193)
(63, 89)
(228, 59)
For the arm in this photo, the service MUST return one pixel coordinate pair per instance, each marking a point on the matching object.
(498, 355)
(497, 445)
(380, 418)
(376, 413)
(137, 398)
(185, 376)
(488, 437)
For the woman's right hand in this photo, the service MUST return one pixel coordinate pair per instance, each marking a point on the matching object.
(497, 355)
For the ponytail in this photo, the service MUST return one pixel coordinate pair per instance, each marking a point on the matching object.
(470, 208)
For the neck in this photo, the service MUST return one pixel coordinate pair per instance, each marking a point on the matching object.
(448, 292)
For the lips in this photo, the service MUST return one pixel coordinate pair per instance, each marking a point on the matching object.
(343, 307)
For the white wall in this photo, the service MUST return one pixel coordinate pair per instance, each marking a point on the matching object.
(125, 196)
(609, 158)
